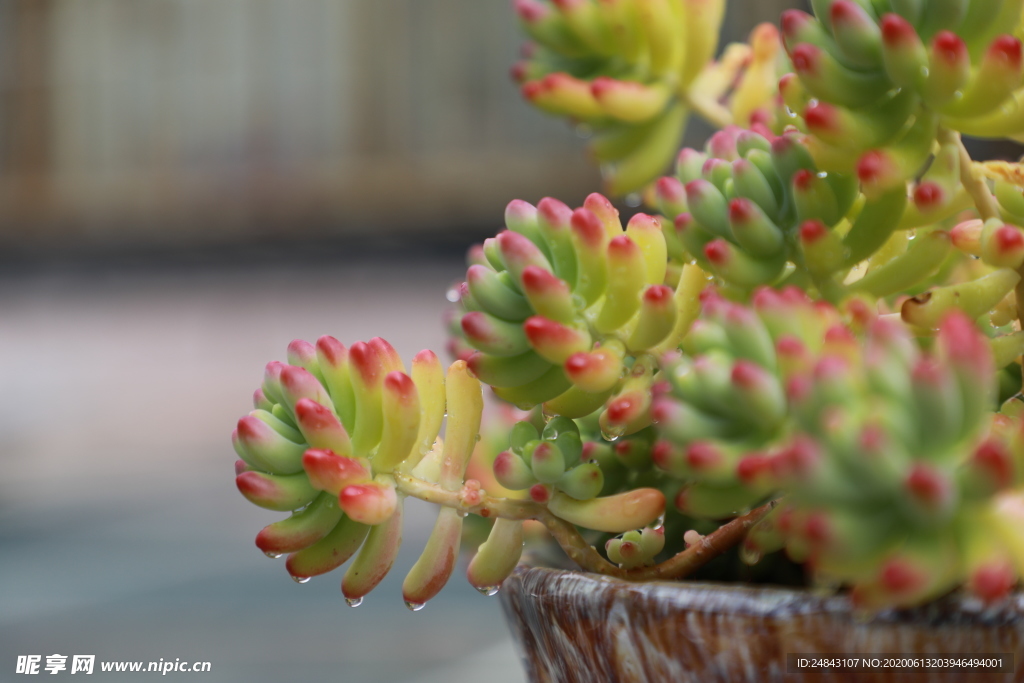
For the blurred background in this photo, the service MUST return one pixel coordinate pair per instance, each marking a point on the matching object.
(185, 187)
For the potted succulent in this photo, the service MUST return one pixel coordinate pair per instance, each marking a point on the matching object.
(800, 364)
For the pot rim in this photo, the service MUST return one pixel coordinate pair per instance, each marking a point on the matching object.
(768, 601)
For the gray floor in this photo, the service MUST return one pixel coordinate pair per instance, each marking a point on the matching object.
(121, 532)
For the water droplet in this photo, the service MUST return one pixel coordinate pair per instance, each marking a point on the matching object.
(487, 590)
(612, 432)
(272, 555)
(453, 294)
(354, 602)
(750, 555)
(462, 513)
(301, 579)
(633, 199)
(415, 606)
(577, 300)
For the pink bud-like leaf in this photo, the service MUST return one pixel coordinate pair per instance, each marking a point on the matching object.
(331, 472)
(370, 503)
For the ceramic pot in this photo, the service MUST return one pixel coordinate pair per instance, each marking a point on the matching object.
(575, 627)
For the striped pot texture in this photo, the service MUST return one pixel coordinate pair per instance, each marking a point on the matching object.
(573, 627)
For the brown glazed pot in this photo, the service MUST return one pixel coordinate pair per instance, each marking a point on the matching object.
(574, 627)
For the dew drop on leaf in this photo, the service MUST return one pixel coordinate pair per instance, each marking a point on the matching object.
(749, 555)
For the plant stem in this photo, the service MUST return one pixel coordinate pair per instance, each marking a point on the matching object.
(709, 110)
(714, 544)
(488, 506)
(574, 545)
(581, 552)
(974, 183)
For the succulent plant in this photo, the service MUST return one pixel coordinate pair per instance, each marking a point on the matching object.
(755, 210)
(567, 309)
(340, 436)
(886, 457)
(632, 70)
(811, 344)
(331, 431)
(875, 82)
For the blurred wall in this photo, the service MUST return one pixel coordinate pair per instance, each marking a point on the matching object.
(192, 121)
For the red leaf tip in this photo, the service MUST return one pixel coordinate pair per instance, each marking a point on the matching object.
(896, 29)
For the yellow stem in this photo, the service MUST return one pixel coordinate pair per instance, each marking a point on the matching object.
(575, 546)
(709, 110)
(972, 181)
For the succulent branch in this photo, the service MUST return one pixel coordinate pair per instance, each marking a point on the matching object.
(567, 309)
(633, 70)
(813, 348)
(887, 456)
(876, 83)
(757, 210)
